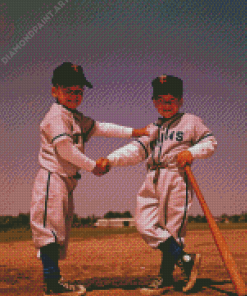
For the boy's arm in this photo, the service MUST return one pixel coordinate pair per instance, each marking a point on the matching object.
(72, 154)
(103, 129)
(130, 154)
(203, 144)
(200, 150)
(203, 141)
(204, 148)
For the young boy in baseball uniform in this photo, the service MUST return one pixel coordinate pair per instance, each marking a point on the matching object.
(64, 132)
(163, 202)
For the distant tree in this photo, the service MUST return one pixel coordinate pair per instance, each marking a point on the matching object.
(111, 215)
(23, 220)
(243, 217)
(235, 218)
(127, 214)
(191, 219)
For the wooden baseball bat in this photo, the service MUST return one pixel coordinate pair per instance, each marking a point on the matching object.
(218, 238)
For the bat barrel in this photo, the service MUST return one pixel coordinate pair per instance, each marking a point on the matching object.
(218, 238)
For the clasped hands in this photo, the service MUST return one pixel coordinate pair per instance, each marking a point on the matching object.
(102, 167)
(103, 164)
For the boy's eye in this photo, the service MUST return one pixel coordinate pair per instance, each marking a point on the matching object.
(74, 92)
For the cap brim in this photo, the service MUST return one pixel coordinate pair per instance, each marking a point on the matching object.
(88, 84)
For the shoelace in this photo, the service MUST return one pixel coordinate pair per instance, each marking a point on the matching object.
(67, 286)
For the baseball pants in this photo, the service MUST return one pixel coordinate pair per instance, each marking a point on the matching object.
(52, 210)
(162, 208)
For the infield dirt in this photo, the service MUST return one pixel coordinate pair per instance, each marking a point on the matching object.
(120, 264)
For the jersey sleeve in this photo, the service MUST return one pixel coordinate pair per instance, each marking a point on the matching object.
(134, 152)
(203, 141)
(104, 129)
(57, 129)
(73, 155)
(130, 154)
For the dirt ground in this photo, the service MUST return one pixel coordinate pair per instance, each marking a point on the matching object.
(121, 264)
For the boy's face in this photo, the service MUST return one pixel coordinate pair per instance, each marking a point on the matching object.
(167, 105)
(71, 97)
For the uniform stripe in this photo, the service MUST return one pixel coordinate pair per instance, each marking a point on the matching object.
(47, 196)
(166, 137)
(61, 135)
(87, 133)
(53, 233)
(160, 144)
(208, 135)
(179, 116)
(185, 209)
(143, 146)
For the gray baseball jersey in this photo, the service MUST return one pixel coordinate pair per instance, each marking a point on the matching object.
(165, 197)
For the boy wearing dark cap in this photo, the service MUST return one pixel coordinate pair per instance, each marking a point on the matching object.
(163, 201)
(64, 132)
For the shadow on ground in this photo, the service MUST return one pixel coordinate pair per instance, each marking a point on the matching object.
(132, 283)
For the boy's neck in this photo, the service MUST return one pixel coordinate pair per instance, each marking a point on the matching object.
(71, 110)
(167, 119)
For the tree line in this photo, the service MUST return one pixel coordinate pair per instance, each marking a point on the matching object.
(23, 220)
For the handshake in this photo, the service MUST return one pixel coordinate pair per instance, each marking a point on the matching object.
(102, 167)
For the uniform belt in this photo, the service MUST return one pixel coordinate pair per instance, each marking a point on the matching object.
(156, 168)
(77, 176)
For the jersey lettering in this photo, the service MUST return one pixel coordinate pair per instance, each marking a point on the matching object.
(171, 135)
(166, 135)
(179, 136)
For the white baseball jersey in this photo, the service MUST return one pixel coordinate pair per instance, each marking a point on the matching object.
(162, 206)
(168, 138)
(59, 124)
(52, 196)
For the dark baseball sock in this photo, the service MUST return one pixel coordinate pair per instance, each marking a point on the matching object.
(167, 262)
(49, 257)
(171, 247)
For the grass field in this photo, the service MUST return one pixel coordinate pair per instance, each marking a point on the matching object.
(21, 234)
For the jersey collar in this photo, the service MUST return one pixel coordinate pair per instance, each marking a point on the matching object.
(70, 110)
(176, 116)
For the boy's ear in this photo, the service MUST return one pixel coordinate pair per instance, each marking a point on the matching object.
(54, 92)
(181, 101)
(155, 103)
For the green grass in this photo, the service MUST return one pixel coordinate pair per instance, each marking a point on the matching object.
(22, 234)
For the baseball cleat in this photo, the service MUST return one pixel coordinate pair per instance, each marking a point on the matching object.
(190, 264)
(65, 289)
(157, 286)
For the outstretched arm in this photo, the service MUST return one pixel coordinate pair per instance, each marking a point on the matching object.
(130, 154)
(72, 154)
(103, 129)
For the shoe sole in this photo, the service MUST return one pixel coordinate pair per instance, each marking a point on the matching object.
(154, 292)
(193, 274)
(80, 292)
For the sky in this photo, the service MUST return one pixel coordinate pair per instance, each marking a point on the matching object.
(123, 46)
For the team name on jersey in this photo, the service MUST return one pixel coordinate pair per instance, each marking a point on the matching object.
(171, 135)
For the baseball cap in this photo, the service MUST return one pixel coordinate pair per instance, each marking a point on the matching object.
(69, 74)
(167, 84)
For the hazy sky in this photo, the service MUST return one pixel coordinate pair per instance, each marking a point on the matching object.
(123, 46)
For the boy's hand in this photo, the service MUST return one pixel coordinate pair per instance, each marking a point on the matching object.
(140, 132)
(102, 167)
(184, 157)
